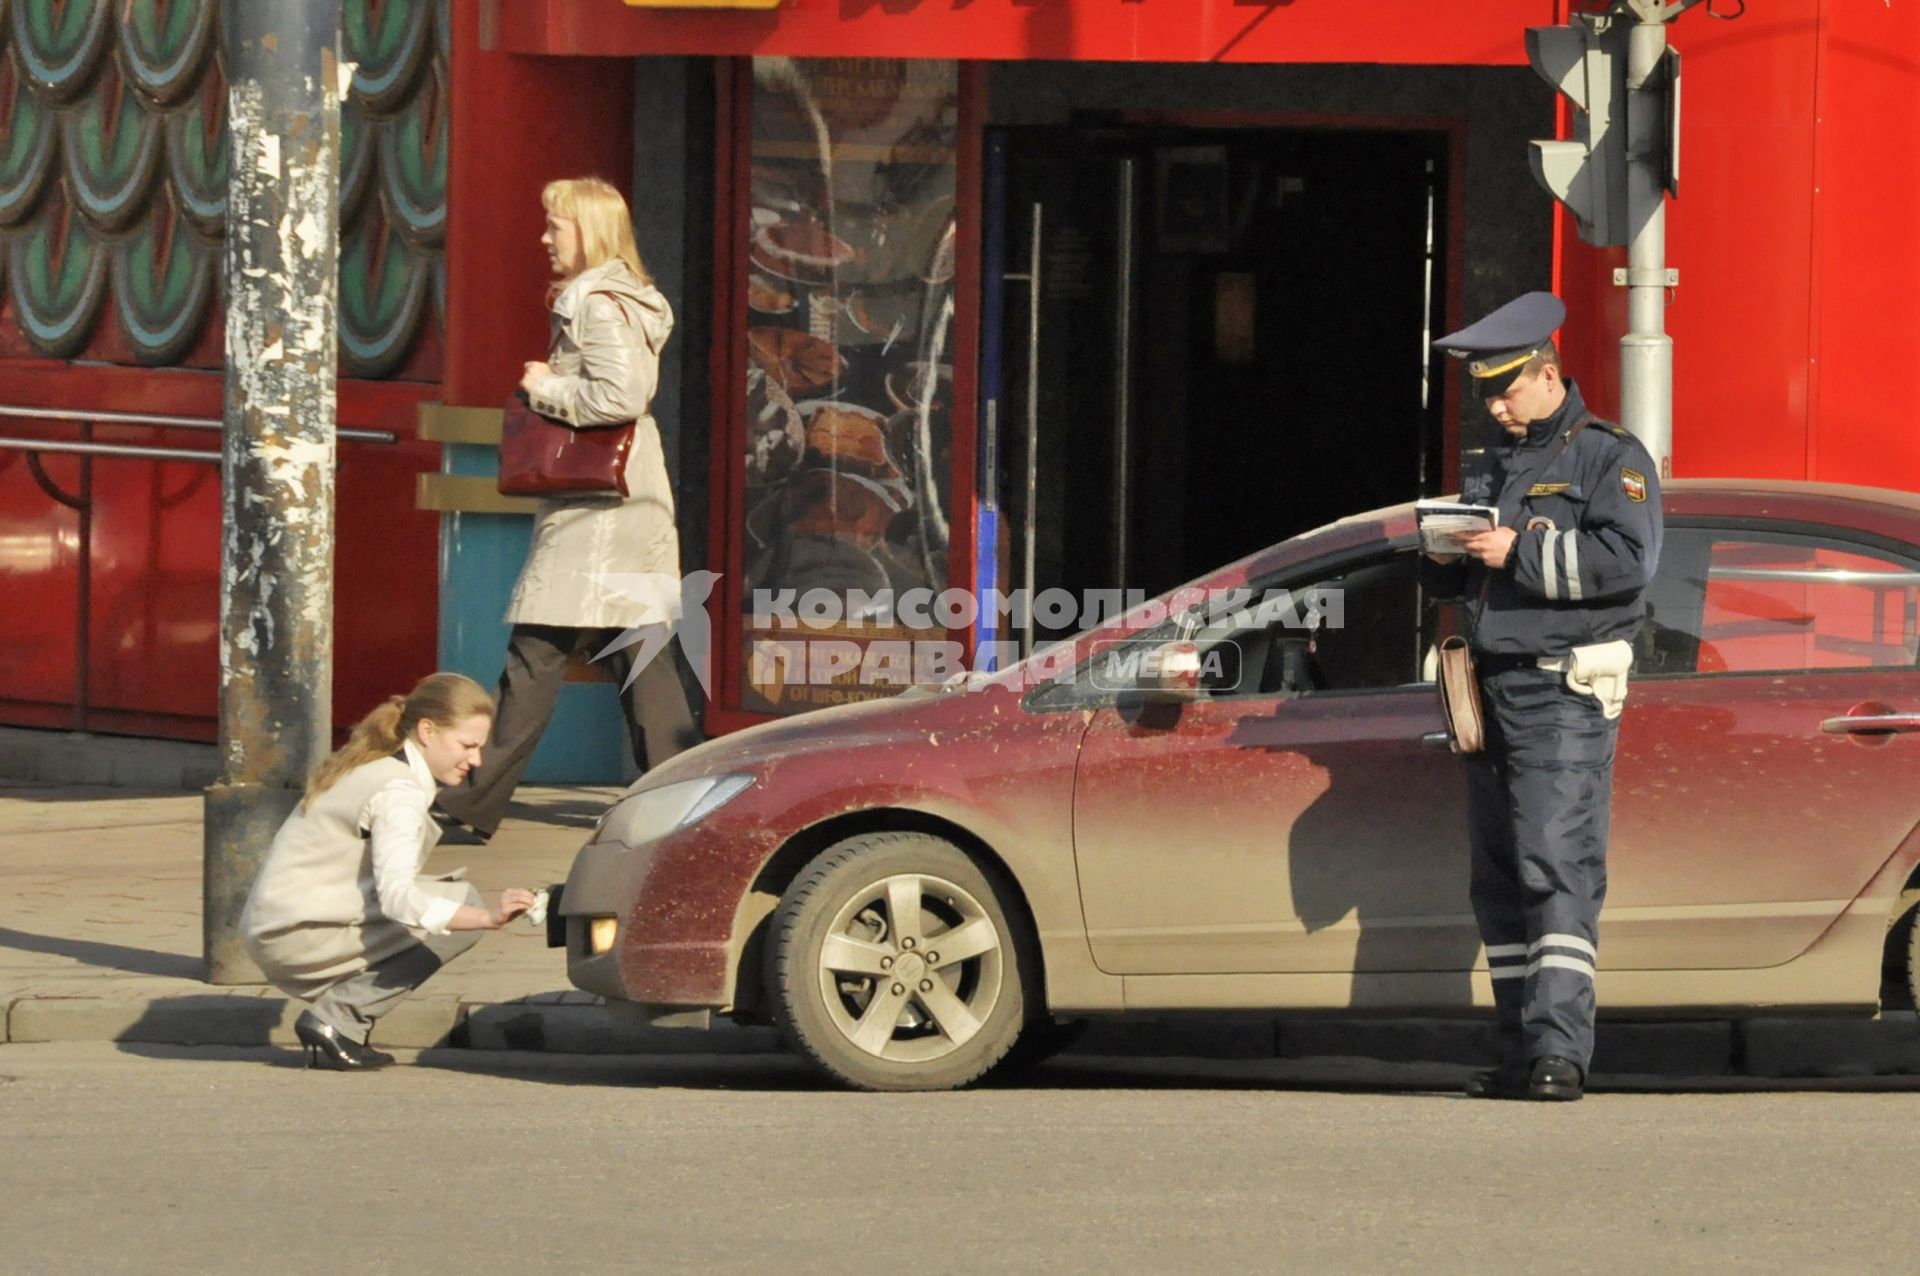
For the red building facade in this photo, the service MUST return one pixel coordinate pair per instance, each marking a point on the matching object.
(1255, 214)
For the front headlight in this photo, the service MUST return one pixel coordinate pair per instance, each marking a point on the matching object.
(654, 813)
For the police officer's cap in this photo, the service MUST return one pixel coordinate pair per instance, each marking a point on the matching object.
(1498, 346)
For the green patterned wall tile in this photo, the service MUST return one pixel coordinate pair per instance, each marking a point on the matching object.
(383, 290)
(57, 272)
(413, 158)
(60, 42)
(163, 44)
(29, 145)
(113, 147)
(163, 282)
(197, 155)
(114, 173)
(389, 41)
(359, 160)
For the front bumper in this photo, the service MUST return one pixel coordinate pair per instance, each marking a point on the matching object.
(603, 883)
(625, 946)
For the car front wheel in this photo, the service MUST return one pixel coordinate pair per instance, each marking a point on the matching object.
(894, 966)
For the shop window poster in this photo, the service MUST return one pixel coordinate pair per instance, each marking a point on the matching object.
(850, 311)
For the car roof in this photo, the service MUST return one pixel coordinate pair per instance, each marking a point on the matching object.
(1689, 496)
(1880, 511)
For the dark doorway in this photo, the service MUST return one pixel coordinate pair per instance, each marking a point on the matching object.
(1203, 341)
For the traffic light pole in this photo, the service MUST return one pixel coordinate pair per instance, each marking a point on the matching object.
(1614, 174)
(1646, 351)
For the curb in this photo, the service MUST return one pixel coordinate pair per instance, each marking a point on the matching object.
(577, 1023)
(74, 758)
(569, 1023)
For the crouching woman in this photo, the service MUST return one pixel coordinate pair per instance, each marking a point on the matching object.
(340, 915)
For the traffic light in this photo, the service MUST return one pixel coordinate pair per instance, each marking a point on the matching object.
(1586, 59)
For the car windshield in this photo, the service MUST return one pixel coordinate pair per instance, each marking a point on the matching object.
(1149, 617)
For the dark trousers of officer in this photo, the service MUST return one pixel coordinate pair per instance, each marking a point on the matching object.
(659, 721)
(1539, 801)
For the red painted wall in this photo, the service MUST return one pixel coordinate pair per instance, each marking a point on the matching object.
(1794, 322)
(1406, 31)
(154, 665)
(1865, 322)
(155, 594)
(1794, 238)
(518, 123)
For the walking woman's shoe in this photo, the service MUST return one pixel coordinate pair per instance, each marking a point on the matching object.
(456, 832)
(326, 1048)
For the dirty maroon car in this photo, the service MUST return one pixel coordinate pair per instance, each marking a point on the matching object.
(1222, 807)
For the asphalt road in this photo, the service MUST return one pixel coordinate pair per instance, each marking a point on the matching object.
(153, 1159)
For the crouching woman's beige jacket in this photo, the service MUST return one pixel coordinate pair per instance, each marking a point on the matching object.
(341, 889)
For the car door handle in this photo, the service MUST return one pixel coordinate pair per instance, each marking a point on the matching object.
(1871, 723)
(1437, 740)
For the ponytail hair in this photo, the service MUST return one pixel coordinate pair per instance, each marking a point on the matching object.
(444, 699)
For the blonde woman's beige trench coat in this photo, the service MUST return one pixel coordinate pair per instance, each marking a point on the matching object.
(610, 320)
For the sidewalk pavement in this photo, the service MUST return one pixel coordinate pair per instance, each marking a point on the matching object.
(100, 935)
(100, 941)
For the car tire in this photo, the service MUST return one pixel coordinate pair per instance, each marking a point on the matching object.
(1910, 927)
(1040, 1041)
(859, 984)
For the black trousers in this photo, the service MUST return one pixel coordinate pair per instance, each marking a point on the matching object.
(659, 720)
(1539, 800)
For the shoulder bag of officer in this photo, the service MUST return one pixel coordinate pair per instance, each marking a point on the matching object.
(1460, 696)
(1457, 679)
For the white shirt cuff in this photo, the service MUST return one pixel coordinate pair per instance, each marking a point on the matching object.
(434, 918)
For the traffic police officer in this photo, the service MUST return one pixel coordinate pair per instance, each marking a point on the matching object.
(1555, 593)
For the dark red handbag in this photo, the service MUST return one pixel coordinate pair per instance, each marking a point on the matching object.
(540, 456)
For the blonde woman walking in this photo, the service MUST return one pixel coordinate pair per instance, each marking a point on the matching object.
(608, 327)
(340, 915)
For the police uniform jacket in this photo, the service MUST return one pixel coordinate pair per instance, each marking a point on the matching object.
(1589, 520)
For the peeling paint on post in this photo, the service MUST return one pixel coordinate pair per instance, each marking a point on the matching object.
(276, 575)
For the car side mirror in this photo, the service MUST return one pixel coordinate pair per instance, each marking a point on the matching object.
(1170, 674)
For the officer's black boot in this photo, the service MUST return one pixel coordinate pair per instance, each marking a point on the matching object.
(1556, 1078)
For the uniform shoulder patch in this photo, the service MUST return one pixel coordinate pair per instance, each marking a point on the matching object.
(1634, 484)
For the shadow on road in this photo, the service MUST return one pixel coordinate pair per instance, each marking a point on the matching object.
(783, 1074)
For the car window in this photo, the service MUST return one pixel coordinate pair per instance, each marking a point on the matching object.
(1355, 629)
(1733, 602)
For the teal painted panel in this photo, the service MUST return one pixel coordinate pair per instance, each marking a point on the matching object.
(480, 557)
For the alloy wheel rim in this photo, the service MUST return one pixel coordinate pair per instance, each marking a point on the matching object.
(911, 968)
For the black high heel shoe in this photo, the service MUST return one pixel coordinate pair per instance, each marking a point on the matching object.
(331, 1050)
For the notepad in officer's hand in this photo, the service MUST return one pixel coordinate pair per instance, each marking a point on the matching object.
(1446, 525)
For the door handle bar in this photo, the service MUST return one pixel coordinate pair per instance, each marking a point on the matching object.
(1871, 722)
